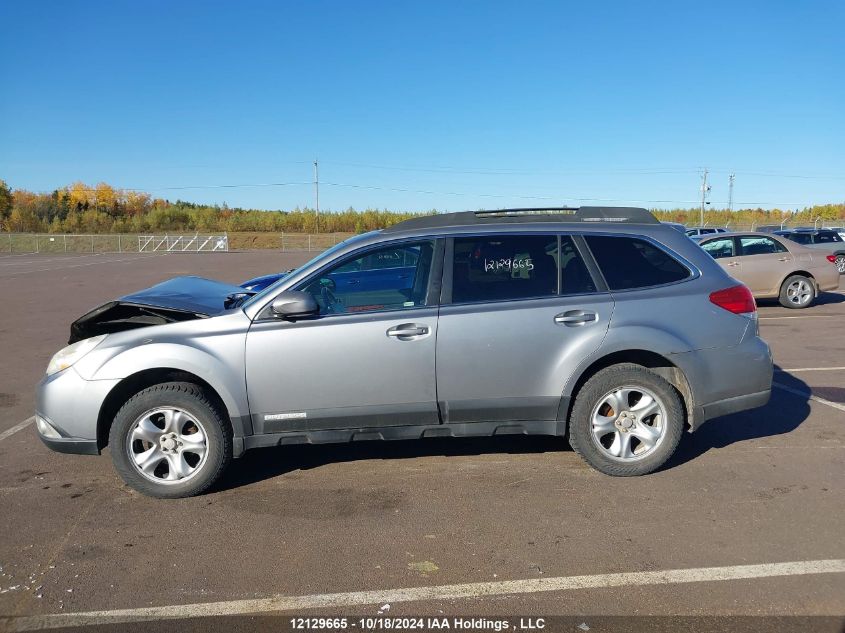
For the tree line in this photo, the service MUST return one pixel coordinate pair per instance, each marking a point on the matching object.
(80, 208)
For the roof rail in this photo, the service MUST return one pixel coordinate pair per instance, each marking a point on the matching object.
(628, 215)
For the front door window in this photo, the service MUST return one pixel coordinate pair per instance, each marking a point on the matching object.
(390, 278)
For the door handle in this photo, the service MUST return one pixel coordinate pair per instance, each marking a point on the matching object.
(575, 318)
(353, 282)
(733, 264)
(408, 330)
(783, 259)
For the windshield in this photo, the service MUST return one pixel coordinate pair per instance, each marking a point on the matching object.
(326, 254)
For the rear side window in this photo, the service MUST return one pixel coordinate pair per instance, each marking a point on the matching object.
(824, 238)
(630, 262)
(758, 245)
(501, 267)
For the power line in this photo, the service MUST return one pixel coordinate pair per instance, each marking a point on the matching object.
(506, 171)
(561, 198)
(501, 171)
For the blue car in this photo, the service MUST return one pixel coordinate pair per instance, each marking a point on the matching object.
(260, 283)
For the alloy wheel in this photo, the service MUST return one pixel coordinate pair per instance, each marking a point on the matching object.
(628, 423)
(167, 445)
(799, 292)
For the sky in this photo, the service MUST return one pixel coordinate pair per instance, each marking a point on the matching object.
(418, 105)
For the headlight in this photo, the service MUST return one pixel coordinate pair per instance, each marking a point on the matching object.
(72, 353)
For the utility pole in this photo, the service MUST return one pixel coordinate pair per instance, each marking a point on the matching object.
(731, 192)
(317, 193)
(705, 188)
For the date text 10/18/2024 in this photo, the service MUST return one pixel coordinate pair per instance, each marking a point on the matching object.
(417, 624)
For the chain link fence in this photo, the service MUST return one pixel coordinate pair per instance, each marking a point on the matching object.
(37, 243)
(47, 243)
(769, 226)
(292, 242)
(34, 243)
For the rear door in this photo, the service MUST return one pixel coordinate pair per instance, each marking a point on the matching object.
(518, 313)
(765, 262)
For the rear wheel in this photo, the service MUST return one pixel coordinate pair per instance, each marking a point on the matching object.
(626, 421)
(840, 264)
(797, 292)
(170, 441)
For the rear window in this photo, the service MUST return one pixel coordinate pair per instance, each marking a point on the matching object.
(630, 262)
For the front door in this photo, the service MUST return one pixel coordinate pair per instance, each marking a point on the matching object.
(366, 360)
(522, 312)
(723, 250)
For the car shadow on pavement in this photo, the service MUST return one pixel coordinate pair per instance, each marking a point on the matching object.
(785, 412)
(824, 299)
(266, 463)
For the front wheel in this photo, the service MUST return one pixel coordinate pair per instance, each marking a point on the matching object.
(170, 440)
(626, 421)
(797, 292)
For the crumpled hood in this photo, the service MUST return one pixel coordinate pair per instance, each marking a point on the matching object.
(190, 294)
(178, 299)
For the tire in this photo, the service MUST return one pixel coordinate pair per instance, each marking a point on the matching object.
(179, 436)
(839, 262)
(797, 292)
(599, 433)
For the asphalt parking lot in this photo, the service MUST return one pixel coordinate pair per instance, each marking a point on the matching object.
(448, 522)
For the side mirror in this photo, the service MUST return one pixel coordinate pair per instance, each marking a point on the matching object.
(294, 305)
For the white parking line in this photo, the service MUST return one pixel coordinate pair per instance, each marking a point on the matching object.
(417, 594)
(813, 369)
(808, 316)
(809, 396)
(16, 428)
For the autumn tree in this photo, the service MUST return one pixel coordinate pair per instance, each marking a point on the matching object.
(5, 200)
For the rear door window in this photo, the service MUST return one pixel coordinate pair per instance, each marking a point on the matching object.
(825, 238)
(759, 245)
(631, 262)
(502, 267)
(718, 249)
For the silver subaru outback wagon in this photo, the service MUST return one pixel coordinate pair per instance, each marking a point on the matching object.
(596, 323)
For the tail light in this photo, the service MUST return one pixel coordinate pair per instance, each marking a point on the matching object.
(736, 299)
(831, 259)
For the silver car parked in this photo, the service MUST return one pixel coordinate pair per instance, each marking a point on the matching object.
(601, 324)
